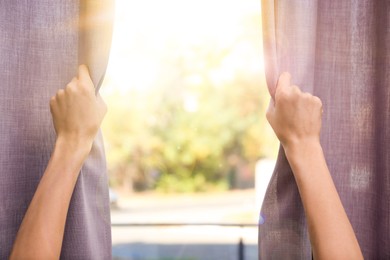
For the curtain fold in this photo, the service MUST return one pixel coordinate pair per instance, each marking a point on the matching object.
(41, 46)
(339, 51)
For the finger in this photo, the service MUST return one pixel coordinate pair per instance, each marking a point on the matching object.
(272, 89)
(60, 94)
(60, 97)
(84, 74)
(283, 82)
(52, 103)
(71, 84)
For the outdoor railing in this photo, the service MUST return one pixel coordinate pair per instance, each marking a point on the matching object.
(241, 246)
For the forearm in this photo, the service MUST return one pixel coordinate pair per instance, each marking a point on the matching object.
(331, 233)
(41, 232)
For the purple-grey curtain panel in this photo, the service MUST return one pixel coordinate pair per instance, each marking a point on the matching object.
(41, 45)
(339, 51)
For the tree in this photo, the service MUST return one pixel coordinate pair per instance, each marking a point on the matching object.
(201, 121)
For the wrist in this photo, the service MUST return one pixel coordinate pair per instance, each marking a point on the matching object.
(302, 150)
(297, 144)
(77, 147)
(68, 156)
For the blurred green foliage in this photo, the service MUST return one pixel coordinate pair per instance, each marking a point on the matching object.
(200, 127)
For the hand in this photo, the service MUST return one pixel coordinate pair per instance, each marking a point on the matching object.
(77, 112)
(295, 116)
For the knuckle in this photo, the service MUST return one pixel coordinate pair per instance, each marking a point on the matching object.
(281, 95)
(294, 93)
(85, 84)
(60, 93)
(72, 83)
(295, 89)
(318, 101)
(307, 97)
(69, 89)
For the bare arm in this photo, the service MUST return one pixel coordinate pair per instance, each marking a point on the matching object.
(296, 120)
(77, 114)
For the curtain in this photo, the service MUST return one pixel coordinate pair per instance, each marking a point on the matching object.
(339, 51)
(41, 44)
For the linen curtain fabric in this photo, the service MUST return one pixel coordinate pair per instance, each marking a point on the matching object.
(339, 51)
(41, 44)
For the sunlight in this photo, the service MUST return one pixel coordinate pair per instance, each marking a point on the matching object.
(145, 30)
(185, 87)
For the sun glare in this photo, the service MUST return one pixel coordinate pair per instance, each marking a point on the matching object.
(146, 32)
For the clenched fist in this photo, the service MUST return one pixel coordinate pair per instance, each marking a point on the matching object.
(77, 111)
(295, 116)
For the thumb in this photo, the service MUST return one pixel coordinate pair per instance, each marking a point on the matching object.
(283, 82)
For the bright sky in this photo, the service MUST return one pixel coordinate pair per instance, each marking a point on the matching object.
(145, 28)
